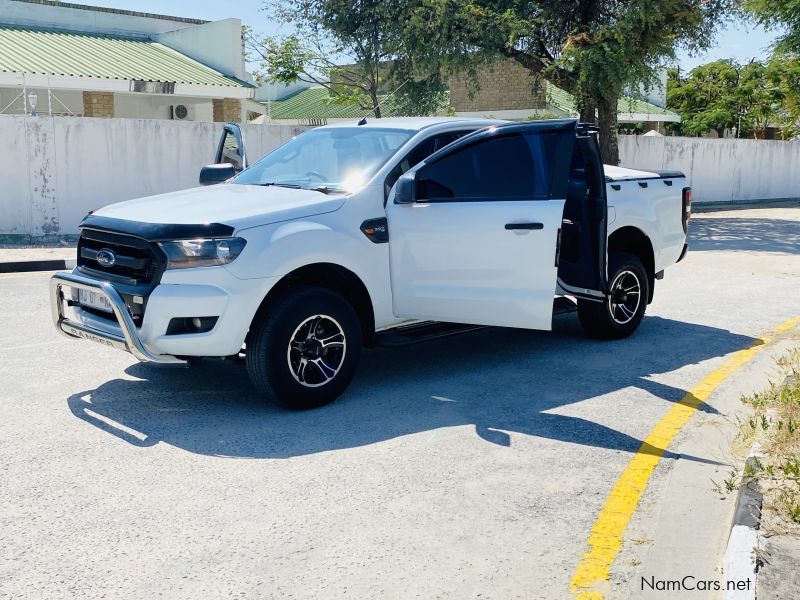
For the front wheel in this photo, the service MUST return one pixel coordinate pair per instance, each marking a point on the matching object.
(304, 351)
(619, 315)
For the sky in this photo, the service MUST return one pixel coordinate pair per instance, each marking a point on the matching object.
(740, 41)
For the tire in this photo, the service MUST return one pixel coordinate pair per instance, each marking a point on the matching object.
(303, 352)
(619, 315)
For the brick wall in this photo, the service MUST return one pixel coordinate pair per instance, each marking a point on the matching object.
(98, 104)
(502, 85)
(227, 109)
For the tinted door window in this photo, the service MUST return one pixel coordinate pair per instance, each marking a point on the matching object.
(508, 167)
(422, 151)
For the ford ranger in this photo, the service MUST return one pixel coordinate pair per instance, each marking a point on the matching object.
(377, 233)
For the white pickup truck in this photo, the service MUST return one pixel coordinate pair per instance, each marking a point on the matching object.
(377, 233)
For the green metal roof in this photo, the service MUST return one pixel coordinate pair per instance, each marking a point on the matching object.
(315, 103)
(53, 52)
(563, 100)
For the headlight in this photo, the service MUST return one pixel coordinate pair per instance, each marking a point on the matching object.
(185, 254)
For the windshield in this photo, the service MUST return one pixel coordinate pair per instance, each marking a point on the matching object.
(336, 159)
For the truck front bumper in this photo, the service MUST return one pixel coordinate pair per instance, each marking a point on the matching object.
(128, 337)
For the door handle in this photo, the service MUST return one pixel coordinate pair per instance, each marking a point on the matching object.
(513, 226)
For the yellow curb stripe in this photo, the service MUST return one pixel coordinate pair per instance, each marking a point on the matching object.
(605, 539)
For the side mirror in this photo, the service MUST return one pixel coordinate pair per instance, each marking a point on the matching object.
(405, 191)
(213, 174)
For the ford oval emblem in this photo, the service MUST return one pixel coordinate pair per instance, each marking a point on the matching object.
(106, 258)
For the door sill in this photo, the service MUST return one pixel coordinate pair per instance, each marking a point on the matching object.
(424, 331)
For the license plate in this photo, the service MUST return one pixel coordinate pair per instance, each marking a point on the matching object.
(94, 300)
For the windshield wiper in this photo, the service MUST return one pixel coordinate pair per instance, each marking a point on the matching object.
(326, 189)
(294, 186)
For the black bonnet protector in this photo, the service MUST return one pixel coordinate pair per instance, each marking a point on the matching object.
(157, 232)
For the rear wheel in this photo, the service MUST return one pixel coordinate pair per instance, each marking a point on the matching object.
(304, 351)
(620, 314)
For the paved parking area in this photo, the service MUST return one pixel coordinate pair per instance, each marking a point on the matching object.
(468, 467)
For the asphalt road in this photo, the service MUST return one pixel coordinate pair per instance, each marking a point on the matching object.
(463, 468)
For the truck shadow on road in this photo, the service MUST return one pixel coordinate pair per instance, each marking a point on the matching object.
(745, 233)
(496, 380)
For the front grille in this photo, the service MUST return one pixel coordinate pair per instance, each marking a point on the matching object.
(136, 261)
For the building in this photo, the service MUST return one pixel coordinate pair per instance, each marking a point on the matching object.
(314, 106)
(505, 90)
(71, 59)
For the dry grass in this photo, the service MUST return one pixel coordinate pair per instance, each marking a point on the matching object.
(775, 423)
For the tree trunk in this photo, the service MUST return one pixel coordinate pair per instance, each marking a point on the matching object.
(376, 105)
(587, 112)
(607, 123)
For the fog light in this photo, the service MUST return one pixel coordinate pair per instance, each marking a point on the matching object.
(183, 325)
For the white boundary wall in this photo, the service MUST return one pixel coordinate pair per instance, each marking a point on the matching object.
(54, 170)
(719, 171)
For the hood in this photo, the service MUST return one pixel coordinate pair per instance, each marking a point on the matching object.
(238, 206)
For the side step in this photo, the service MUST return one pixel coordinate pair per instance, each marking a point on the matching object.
(421, 332)
(406, 335)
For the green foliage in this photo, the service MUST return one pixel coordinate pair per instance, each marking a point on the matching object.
(592, 48)
(420, 96)
(779, 14)
(355, 50)
(731, 481)
(791, 467)
(752, 468)
(725, 95)
(540, 116)
(790, 501)
(630, 128)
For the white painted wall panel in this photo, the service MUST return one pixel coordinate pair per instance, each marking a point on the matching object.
(56, 169)
(42, 183)
(726, 170)
(15, 205)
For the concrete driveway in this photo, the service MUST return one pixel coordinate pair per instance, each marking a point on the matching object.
(463, 468)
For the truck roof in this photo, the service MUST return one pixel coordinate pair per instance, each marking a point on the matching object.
(415, 123)
(613, 173)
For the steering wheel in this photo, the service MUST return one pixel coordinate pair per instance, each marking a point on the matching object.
(317, 175)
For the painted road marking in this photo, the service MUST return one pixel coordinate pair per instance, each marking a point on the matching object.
(605, 539)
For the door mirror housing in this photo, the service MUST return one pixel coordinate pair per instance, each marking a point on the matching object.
(213, 174)
(405, 191)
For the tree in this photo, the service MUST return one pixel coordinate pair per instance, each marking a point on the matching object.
(762, 94)
(724, 95)
(707, 98)
(785, 70)
(354, 49)
(592, 48)
(783, 14)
